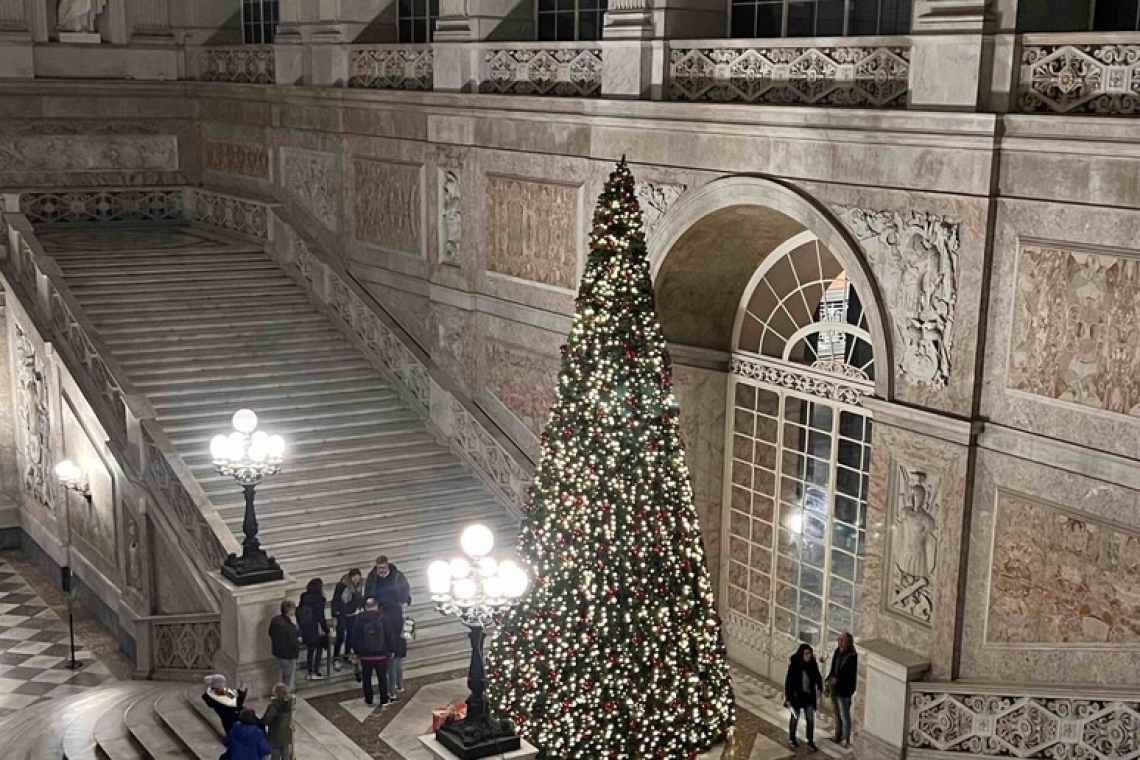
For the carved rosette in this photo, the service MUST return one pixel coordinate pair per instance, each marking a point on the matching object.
(186, 645)
(848, 76)
(914, 544)
(914, 255)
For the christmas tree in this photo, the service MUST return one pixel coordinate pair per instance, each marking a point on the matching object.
(616, 652)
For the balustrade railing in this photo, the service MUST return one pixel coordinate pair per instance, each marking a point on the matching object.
(1080, 73)
(869, 72)
(179, 646)
(392, 67)
(143, 451)
(999, 720)
(249, 64)
(550, 68)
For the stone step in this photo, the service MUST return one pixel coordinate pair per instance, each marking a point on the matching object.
(45, 737)
(79, 741)
(189, 724)
(364, 540)
(270, 409)
(81, 266)
(163, 390)
(235, 305)
(135, 279)
(179, 355)
(151, 733)
(305, 745)
(229, 314)
(237, 336)
(236, 399)
(248, 365)
(152, 256)
(250, 325)
(315, 371)
(111, 734)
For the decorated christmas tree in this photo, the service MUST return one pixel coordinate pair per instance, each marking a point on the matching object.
(617, 651)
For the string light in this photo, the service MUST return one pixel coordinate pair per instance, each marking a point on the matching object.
(616, 652)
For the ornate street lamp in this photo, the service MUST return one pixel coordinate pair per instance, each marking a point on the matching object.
(477, 589)
(248, 454)
(73, 479)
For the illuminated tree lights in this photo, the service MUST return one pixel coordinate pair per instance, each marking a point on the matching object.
(617, 650)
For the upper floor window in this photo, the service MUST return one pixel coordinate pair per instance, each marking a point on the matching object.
(417, 20)
(1079, 16)
(258, 21)
(570, 20)
(819, 18)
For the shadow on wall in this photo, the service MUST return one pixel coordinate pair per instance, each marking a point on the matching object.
(228, 33)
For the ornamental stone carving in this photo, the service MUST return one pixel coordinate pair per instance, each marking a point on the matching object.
(228, 213)
(249, 64)
(150, 205)
(387, 204)
(1100, 79)
(134, 555)
(311, 178)
(799, 380)
(914, 255)
(243, 159)
(558, 71)
(534, 230)
(392, 69)
(914, 544)
(846, 76)
(997, 725)
(186, 645)
(451, 218)
(655, 199)
(35, 422)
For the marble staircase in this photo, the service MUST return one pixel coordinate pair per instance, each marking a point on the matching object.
(203, 330)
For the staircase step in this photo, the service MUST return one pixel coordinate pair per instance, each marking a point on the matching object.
(151, 733)
(238, 337)
(249, 366)
(213, 385)
(248, 325)
(92, 266)
(202, 739)
(394, 509)
(178, 355)
(111, 734)
(138, 277)
(270, 408)
(252, 397)
(232, 305)
(79, 740)
(229, 314)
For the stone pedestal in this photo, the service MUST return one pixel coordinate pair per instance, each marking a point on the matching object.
(889, 670)
(440, 752)
(245, 657)
(80, 38)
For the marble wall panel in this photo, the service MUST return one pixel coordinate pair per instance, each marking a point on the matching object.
(92, 521)
(534, 230)
(311, 177)
(897, 457)
(248, 112)
(1071, 618)
(88, 153)
(523, 379)
(453, 342)
(1060, 360)
(1061, 578)
(244, 159)
(1076, 327)
(388, 204)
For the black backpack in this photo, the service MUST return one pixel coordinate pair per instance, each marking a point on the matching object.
(370, 635)
(304, 616)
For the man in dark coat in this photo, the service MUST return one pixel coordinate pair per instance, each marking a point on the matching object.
(800, 688)
(387, 585)
(286, 641)
(372, 648)
(841, 682)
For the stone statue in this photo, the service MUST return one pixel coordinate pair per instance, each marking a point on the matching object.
(79, 15)
(452, 218)
(914, 545)
(134, 561)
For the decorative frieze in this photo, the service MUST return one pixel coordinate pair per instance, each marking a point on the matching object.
(187, 645)
(387, 204)
(228, 213)
(914, 256)
(913, 544)
(556, 71)
(35, 423)
(404, 68)
(835, 76)
(996, 725)
(243, 159)
(800, 379)
(248, 64)
(1067, 78)
(534, 230)
(150, 205)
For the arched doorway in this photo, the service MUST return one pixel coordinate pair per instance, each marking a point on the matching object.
(772, 283)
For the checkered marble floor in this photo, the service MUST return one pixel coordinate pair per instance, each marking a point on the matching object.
(34, 649)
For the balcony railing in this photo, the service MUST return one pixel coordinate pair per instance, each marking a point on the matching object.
(1080, 73)
(571, 69)
(869, 72)
(392, 67)
(248, 64)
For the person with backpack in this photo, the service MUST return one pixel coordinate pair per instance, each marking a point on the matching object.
(314, 626)
(372, 648)
(246, 740)
(347, 603)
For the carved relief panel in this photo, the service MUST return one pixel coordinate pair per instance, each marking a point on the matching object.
(655, 198)
(450, 218)
(524, 380)
(311, 178)
(35, 423)
(913, 552)
(534, 230)
(91, 520)
(914, 256)
(387, 204)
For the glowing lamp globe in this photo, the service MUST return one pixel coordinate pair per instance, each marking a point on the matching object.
(219, 448)
(439, 578)
(513, 578)
(245, 421)
(477, 540)
(460, 568)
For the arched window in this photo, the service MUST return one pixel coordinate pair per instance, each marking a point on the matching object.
(818, 18)
(570, 20)
(259, 21)
(801, 446)
(417, 20)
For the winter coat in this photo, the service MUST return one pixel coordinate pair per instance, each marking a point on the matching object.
(393, 588)
(794, 683)
(347, 601)
(227, 706)
(369, 636)
(311, 617)
(284, 635)
(278, 722)
(247, 742)
(845, 670)
(393, 615)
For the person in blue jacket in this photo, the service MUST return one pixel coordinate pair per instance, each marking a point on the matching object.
(246, 740)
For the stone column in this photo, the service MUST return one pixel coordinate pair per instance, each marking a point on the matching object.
(246, 656)
(952, 55)
(888, 671)
(457, 65)
(16, 40)
(313, 36)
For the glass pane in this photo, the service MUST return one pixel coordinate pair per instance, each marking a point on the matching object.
(849, 453)
(847, 482)
(829, 18)
(1114, 16)
(842, 564)
(742, 422)
(817, 528)
(767, 402)
(789, 546)
(842, 593)
(817, 473)
(811, 580)
(785, 622)
(819, 444)
(895, 17)
(812, 553)
(845, 537)
(764, 455)
(820, 417)
(565, 27)
(786, 596)
(865, 17)
(839, 618)
(743, 20)
(744, 394)
(801, 19)
(546, 29)
(851, 425)
(811, 607)
(791, 519)
(763, 481)
(847, 510)
(769, 20)
(766, 428)
(590, 26)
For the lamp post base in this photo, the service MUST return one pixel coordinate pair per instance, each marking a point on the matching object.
(250, 568)
(473, 738)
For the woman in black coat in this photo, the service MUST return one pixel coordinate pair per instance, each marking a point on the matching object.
(314, 626)
(801, 686)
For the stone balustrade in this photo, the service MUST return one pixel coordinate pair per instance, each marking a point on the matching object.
(862, 72)
(178, 646)
(1080, 73)
(996, 720)
(391, 67)
(561, 69)
(247, 64)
